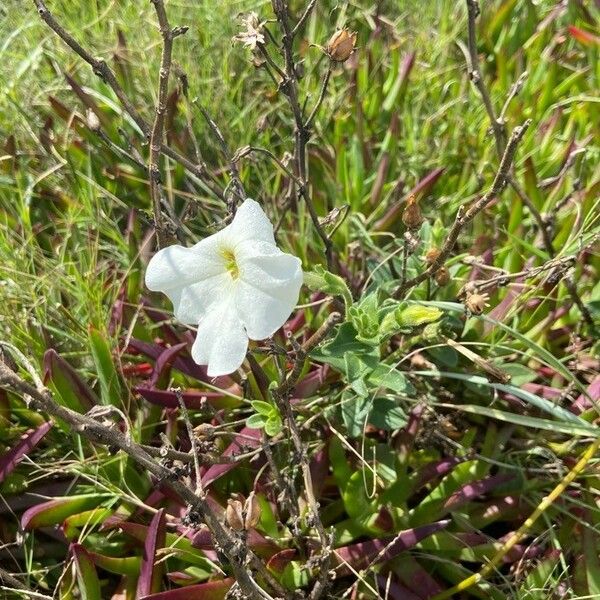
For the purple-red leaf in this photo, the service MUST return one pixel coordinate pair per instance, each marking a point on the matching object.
(473, 490)
(150, 574)
(434, 470)
(56, 511)
(211, 590)
(363, 554)
(193, 399)
(248, 439)
(24, 446)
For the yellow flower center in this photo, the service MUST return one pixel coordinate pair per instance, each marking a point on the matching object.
(230, 262)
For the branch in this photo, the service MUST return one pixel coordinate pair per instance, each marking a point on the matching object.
(281, 396)
(103, 71)
(100, 434)
(156, 134)
(289, 87)
(465, 215)
(499, 137)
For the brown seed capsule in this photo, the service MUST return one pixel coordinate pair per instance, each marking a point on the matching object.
(252, 511)
(412, 216)
(476, 303)
(234, 515)
(442, 276)
(431, 255)
(341, 45)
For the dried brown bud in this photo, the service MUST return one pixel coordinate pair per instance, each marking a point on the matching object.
(204, 430)
(92, 120)
(431, 255)
(476, 303)
(341, 45)
(234, 515)
(252, 511)
(442, 276)
(411, 216)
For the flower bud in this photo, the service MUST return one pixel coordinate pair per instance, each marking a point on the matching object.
(412, 217)
(341, 45)
(234, 515)
(92, 120)
(476, 303)
(252, 511)
(442, 276)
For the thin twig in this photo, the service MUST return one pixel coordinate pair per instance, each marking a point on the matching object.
(104, 72)
(322, 95)
(281, 396)
(156, 133)
(231, 164)
(192, 436)
(304, 17)
(99, 433)
(465, 215)
(289, 87)
(498, 125)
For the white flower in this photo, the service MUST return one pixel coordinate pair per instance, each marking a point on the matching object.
(235, 285)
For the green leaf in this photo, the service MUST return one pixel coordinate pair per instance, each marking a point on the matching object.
(87, 577)
(255, 421)
(273, 425)
(356, 371)
(110, 387)
(263, 408)
(389, 377)
(321, 280)
(344, 342)
(355, 410)
(385, 414)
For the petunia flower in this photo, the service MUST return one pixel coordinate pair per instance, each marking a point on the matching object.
(235, 285)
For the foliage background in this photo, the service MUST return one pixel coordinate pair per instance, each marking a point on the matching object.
(72, 253)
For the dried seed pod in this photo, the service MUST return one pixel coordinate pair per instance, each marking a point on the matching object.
(431, 255)
(476, 303)
(442, 276)
(341, 45)
(234, 515)
(252, 511)
(412, 216)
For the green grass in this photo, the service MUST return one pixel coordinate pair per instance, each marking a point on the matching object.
(75, 236)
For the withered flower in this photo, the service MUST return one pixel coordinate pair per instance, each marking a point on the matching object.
(412, 216)
(252, 35)
(442, 276)
(431, 255)
(476, 303)
(252, 511)
(341, 45)
(234, 515)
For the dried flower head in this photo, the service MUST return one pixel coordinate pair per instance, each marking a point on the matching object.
(341, 45)
(234, 515)
(252, 511)
(252, 35)
(476, 303)
(442, 276)
(431, 255)
(412, 216)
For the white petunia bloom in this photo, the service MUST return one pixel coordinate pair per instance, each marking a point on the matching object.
(235, 285)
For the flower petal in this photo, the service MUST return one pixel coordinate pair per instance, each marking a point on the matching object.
(188, 276)
(250, 223)
(177, 266)
(192, 302)
(268, 288)
(221, 342)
